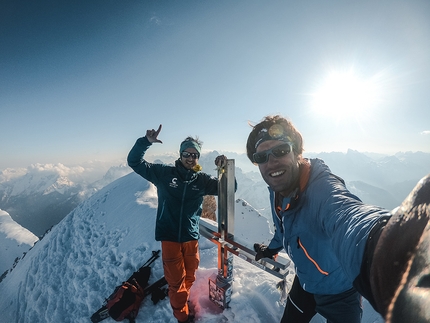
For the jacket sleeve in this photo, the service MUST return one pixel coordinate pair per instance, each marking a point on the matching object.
(277, 242)
(136, 161)
(212, 182)
(346, 220)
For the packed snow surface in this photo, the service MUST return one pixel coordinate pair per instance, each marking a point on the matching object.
(15, 240)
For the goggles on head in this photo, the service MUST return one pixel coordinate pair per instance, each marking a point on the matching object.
(275, 132)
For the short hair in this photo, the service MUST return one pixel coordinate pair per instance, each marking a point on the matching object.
(196, 140)
(266, 123)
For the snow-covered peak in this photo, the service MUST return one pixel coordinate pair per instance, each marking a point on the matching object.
(68, 274)
(111, 175)
(43, 179)
(15, 240)
(99, 244)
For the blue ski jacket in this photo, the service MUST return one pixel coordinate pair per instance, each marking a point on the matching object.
(180, 194)
(324, 229)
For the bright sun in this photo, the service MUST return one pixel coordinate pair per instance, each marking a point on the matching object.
(344, 95)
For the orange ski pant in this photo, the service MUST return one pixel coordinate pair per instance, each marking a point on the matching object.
(180, 262)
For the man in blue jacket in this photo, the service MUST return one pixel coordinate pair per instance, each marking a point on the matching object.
(330, 235)
(180, 190)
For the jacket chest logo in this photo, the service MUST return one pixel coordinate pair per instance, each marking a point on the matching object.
(173, 183)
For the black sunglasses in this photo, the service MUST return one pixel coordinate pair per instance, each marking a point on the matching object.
(278, 151)
(186, 154)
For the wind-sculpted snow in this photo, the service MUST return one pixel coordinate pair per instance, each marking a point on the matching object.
(15, 240)
(67, 275)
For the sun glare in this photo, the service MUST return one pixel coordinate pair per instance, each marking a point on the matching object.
(344, 95)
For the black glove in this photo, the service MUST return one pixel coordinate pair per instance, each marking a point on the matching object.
(263, 251)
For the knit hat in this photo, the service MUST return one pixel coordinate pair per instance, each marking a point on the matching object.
(188, 143)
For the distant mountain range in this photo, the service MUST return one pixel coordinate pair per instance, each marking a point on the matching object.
(40, 196)
(377, 179)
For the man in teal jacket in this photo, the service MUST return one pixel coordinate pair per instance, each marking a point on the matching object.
(341, 247)
(180, 190)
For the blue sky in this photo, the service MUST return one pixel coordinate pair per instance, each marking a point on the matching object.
(82, 80)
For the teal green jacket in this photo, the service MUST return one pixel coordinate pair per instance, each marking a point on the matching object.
(180, 194)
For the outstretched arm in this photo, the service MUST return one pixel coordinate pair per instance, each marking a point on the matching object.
(136, 159)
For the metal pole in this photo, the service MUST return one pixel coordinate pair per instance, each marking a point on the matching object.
(220, 285)
(226, 190)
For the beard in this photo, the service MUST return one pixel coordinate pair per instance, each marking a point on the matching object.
(284, 180)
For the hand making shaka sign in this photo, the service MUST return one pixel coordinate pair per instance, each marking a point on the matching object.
(152, 135)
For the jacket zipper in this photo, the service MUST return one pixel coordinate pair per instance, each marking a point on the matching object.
(182, 208)
(300, 245)
(162, 210)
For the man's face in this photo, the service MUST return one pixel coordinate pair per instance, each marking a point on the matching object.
(280, 173)
(190, 161)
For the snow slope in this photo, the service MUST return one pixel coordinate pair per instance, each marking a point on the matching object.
(43, 194)
(66, 276)
(15, 240)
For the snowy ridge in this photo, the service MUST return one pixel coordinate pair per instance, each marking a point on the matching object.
(84, 257)
(44, 194)
(15, 240)
(66, 276)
